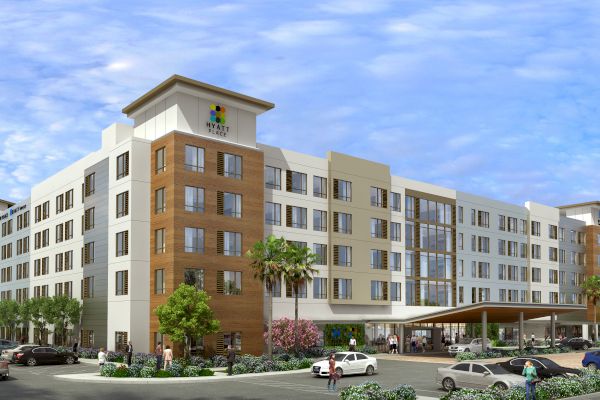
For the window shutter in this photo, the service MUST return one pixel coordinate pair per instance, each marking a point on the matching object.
(384, 259)
(336, 288)
(288, 216)
(336, 191)
(220, 241)
(385, 291)
(126, 243)
(126, 282)
(288, 180)
(220, 282)
(336, 227)
(336, 254)
(126, 164)
(220, 344)
(86, 254)
(384, 229)
(220, 163)
(220, 203)
(126, 205)
(83, 224)
(384, 198)
(288, 290)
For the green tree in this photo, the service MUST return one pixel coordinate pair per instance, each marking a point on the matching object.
(298, 271)
(591, 289)
(10, 316)
(186, 315)
(65, 312)
(267, 262)
(41, 313)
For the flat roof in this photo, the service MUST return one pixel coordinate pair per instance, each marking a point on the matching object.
(170, 82)
(589, 203)
(10, 203)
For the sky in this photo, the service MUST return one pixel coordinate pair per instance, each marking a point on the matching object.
(495, 98)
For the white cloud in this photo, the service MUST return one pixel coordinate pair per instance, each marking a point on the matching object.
(354, 6)
(296, 32)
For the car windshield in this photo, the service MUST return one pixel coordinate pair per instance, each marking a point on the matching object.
(548, 363)
(496, 369)
(465, 341)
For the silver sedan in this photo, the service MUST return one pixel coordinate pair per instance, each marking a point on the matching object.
(477, 375)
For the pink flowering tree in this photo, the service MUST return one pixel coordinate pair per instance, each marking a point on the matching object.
(283, 334)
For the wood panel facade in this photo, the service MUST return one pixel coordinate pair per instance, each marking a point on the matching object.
(241, 313)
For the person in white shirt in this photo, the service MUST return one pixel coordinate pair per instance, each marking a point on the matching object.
(424, 343)
(394, 345)
(101, 357)
(352, 344)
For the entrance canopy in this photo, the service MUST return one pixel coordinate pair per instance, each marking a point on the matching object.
(496, 312)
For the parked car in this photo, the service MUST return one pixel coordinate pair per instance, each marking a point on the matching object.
(4, 369)
(576, 343)
(476, 375)
(347, 363)
(591, 360)
(545, 368)
(45, 355)
(469, 345)
(7, 344)
(11, 354)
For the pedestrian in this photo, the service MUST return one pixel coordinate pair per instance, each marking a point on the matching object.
(456, 338)
(75, 347)
(352, 344)
(129, 351)
(333, 376)
(394, 345)
(424, 343)
(413, 344)
(158, 351)
(168, 357)
(230, 359)
(532, 339)
(531, 379)
(390, 342)
(101, 358)
(443, 341)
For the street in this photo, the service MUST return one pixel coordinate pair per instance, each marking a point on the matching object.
(39, 383)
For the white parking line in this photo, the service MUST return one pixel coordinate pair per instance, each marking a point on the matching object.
(291, 386)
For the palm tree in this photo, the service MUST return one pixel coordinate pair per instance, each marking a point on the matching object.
(298, 271)
(591, 289)
(267, 263)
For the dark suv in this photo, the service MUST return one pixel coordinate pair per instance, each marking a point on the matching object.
(45, 355)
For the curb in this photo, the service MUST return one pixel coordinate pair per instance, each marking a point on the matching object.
(96, 378)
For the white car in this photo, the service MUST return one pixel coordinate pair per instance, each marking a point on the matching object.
(477, 376)
(469, 345)
(347, 363)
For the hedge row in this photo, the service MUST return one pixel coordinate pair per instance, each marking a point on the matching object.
(373, 391)
(147, 371)
(512, 353)
(248, 364)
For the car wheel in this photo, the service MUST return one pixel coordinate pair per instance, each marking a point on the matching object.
(370, 370)
(339, 371)
(466, 350)
(501, 386)
(448, 384)
(585, 346)
(70, 360)
(31, 362)
(592, 366)
(4, 377)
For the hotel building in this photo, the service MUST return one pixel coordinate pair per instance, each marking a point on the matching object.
(183, 192)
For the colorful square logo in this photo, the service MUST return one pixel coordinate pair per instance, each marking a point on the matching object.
(217, 114)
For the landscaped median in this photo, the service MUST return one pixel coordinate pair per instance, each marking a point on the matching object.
(499, 353)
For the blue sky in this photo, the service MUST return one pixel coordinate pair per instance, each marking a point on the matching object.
(496, 98)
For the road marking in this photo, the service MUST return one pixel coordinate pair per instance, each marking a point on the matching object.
(291, 386)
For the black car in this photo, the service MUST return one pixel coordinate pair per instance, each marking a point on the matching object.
(545, 368)
(576, 343)
(45, 355)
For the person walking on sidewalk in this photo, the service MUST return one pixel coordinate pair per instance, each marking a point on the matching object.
(424, 343)
(352, 344)
(230, 359)
(101, 358)
(129, 351)
(75, 347)
(333, 376)
(158, 351)
(530, 374)
(168, 357)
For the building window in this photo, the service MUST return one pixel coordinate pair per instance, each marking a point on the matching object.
(58, 235)
(229, 165)
(395, 291)
(88, 253)
(536, 275)
(409, 206)
(46, 210)
(552, 231)
(232, 243)
(553, 276)
(320, 288)
(58, 262)
(123, 165)
(395, 261)
(122, 283)
(523, 250)
(342, 190)
(396, 202)
(378, 197)
(536, 296)
(229, 204)
(320, 187)
(295, 182)
(68, 200)
(160, 160)
(501, 222)
(321, 253)
(342, 222)
(194, 240)
(473, 216)
(229, 282)
(290, 290)
(378, 259)
(378, 228)
(60, 203)
(483, 244)
(122, 204)
(552, 253)
(234, 339)
(378, 290)
(484, 270)
(272, 178)
(342, 256)
(194, 199)
(121, 341)
(320, 220)
(536, 251)
(524, 274)
(295, 217)
(89, 219)
(159, 281)
(460, 214)
(122, 243)
(501, 247)
(159, 241)
(194, 277)
(90, 184)
(396, 231)
(553, 297)
(535, 228)
(194, 158)
(87, 288)
(342, 289)
(272, 213)
(461, 294)
(522, 227)
(160, 201)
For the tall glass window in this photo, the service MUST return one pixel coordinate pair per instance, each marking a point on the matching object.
(194, 240)
(232, 166)
(194, 158)
(194, 199)
(272, 178)
(272, 213)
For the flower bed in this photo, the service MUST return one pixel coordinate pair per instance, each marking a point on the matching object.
(144, 371)
(248, 364)
(511, 353)
(550, 389)
(374, 391)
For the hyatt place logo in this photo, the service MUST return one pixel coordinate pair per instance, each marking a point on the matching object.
(217, 114)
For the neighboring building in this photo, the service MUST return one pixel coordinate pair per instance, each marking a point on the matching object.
(180, 196)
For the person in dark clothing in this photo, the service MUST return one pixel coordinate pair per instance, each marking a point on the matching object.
(230, 359)
(129, 352)
(75, 347)
(158, 351)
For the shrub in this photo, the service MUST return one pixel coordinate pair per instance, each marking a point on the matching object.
(121, 372)
(404, 392)
(113, 356)
(284, 334)
(162, 374)
(206, 372)
(134, 370)
(365, 391)
(339, 334)
(239, 369)
(176, 368)
(143, 358)
(219, 361)
(191, 370)
(108, 369)
(147, 372)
